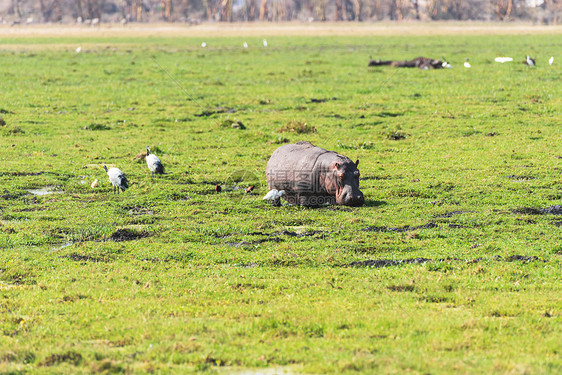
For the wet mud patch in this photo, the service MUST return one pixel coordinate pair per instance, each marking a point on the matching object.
(273, 237)
(70, 357)
(256, 242)
(399, 230)
(121, 235)
(83, 258)
(321, 100)
(11, 196)
(453, 213)
(389, 114)
(138, 210)
(552, 210)
(379, 263)
(522, 258)
(217, 110)
(18, 174)
(520, 178)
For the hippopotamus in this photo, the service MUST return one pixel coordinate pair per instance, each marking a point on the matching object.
(424, 63)
(313, 176)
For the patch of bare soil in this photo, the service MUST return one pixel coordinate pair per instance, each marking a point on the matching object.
(82, 258)
(128, 235)
(399, 230)
(379, 263)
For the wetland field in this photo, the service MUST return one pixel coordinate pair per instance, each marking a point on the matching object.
(453, 265)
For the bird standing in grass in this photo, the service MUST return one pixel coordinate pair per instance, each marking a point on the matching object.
(117, 179)
(274, 196)
(154, 164)
(551, 60)
(529, 61)
(466, 64)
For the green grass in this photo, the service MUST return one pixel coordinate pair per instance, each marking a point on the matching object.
(212, 283)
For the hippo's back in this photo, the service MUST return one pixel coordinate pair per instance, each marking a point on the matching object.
(300, 157)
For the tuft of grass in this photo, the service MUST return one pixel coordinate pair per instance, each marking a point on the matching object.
(395, 135)
(95, 126)
(298, 127)
(13, 130)
(234, 124)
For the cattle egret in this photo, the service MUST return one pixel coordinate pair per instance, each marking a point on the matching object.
(529, 61)
(154, 164)
(79, 49)
(274, 196)
(203, 44)
(265, 43)
(466, 64)
(117, 179)
(245, 45)
(551, 60)
(94, 184)
(446, 65)
(503, 59)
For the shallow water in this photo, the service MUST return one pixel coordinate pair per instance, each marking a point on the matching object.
(62, 245)
(45, 190)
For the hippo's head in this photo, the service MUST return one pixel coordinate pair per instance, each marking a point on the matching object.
(347, 184)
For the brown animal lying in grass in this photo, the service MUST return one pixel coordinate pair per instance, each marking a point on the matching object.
(419, 62)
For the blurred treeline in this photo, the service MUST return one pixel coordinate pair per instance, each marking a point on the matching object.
(194, 11)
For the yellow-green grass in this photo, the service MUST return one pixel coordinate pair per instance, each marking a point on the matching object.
(456, 166)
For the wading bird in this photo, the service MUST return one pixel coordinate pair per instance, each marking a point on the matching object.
(551, 60)
(503, 59)
(529, 61)
(154, 164)
(274, 196)
(117, 179)
(466, 64)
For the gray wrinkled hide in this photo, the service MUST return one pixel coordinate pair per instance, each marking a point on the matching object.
(309, 176)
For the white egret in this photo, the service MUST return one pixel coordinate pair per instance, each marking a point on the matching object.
(274, 196)
(503, 59)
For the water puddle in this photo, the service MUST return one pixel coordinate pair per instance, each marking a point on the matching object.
(62, 245)
(45, 190)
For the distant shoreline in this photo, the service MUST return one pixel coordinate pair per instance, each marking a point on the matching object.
(279, 29)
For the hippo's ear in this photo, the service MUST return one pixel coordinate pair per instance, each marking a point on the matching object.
(336, 165)
(357, 163)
